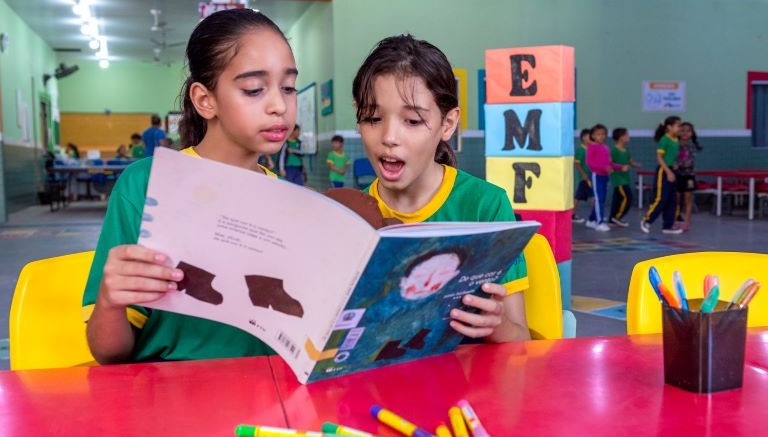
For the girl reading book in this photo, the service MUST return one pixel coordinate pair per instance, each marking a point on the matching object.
(239, 103)
(407, 109)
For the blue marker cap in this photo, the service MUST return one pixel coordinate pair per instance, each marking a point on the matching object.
(655, 278)
(375, 410)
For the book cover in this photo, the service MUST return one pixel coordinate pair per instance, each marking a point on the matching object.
(308, 276)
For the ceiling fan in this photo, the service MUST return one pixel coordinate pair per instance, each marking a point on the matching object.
(161, 43)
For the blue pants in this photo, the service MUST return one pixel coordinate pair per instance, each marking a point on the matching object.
(294, 174)
(664, 201)
(600, 190)
(337, 184)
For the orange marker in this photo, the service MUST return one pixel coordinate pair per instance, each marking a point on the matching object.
(749, 293)
(670, 298)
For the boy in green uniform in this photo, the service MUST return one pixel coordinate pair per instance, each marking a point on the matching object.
(136, 147)
(620, 179)
(337, 161)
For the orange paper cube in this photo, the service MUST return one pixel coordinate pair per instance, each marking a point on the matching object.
(530, 74)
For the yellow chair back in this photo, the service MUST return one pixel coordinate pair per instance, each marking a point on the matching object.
(732, 269)
(543, 305)
(46, 324)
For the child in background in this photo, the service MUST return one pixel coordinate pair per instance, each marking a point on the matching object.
(620, 179)
(665, 199)
(290, 165)
(407, 109)
(122, 153)
(136, 147)
(599, 163)
(686, 177)
(239, 102)
(584, 189)
(338, 162)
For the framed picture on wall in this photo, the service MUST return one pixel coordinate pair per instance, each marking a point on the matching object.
(307, 118)
(172, 121)
(326, 97)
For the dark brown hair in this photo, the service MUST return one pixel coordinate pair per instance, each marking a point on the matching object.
(405, 56)
(211, 46)
(661, 129)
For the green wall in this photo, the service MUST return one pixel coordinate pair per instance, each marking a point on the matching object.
(21, 73)
(124, 87)
(312, 41)
(710, 44)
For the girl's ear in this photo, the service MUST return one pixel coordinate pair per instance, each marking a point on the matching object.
(450, 122)
(203, 100)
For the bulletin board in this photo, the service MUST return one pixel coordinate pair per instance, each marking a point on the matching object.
(99, 131)
(307, 118)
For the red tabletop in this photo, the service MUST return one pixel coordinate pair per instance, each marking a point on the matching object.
(587, 386)
(191, 398)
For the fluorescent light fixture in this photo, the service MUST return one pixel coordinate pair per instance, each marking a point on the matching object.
(85, 29)
(104, 63)
(93, 44)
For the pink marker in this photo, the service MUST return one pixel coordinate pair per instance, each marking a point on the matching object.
(472, 420)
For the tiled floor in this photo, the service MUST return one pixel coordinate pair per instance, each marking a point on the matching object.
(602, 262)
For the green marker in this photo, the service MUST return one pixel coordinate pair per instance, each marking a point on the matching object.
(711, 300)
(329, 427)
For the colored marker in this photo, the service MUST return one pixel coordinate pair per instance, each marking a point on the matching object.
(268, 431)
(653, 276)
(457, 422)
(749, 294)
(442, 431)
(677, 280)
(711, 300)
(737, 296)
(668, 296)
(472, 420)
(332, 428)
(398, 423)
(707, 285)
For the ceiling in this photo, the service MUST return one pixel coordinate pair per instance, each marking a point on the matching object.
(127, 25)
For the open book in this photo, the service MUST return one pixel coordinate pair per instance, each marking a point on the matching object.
(308, 276)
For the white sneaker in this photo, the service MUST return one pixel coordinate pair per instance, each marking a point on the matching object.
(618, 222)
(602, 227)
(591, 224)
(644, 226)
(577, 219)
(673, 231)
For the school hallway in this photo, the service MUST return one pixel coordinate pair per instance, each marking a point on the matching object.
(602, 261)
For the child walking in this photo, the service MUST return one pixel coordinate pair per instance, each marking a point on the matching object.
(407, 109)
(665, 200)
(620, 178)
(338, 162)
(584, 189)
(685, 174)
(599, 162)
(239, 102)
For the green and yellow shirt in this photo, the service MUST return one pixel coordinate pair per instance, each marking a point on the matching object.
(668, 147)
(621, 157)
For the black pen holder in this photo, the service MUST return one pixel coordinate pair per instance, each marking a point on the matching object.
(704, 352)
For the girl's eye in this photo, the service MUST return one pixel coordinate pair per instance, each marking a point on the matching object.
(413, 122)
(289, 90)
(372, 120)
(253, 92)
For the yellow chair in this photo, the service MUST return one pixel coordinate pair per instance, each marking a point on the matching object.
(46, 324)
(543, 305)
(732, 269)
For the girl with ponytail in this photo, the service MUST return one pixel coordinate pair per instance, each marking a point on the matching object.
(407, 109)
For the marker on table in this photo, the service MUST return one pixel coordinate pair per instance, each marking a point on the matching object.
(332, 428)
(472, 420)
(442, 431)
(711, 300)
(749, 294)
(677, 280)
(739, 294)
(457, 422)
(268, 431)
(398, 423)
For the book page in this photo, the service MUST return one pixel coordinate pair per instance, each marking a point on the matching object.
(272, 258)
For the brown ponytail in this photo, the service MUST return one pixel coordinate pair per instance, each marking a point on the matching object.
(444, 154)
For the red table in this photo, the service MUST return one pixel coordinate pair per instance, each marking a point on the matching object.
(191, 398)
(586, 386)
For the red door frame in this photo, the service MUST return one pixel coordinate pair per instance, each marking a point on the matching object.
(753, 76)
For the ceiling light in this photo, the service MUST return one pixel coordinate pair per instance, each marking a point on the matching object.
(85, 29)
(104, 63)
(94, 44)
(77, 9)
